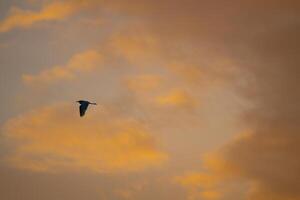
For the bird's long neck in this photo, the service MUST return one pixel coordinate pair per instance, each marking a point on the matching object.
(93, 103)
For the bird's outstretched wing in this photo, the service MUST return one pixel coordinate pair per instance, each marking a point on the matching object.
(82, 108)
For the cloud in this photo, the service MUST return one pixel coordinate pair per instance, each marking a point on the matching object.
(84, 62)
(175, 97)
(268, 157)
(129, 43)
(56, 10)
(189, 73)
(144, 82)
(54, 139)
(268, 161)
(263, 40)
(262, 164)
(193, 180)
(132, 190)
(247, 168)
(219, 180)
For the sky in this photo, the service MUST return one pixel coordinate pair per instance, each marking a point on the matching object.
(197, 100)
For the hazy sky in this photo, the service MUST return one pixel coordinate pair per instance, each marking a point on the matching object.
(197, 100)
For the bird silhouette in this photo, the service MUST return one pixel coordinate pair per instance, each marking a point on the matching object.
(83, 106)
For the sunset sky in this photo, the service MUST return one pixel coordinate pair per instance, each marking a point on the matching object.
(197, 100)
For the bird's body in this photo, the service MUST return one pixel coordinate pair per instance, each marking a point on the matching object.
(83, 106)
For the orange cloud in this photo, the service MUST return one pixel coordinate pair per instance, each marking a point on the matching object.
(143, 82)
(220, 179)
(54, 139)
(200, 185)
(138, 47)
(175, 97)
(196, 179)
(79, 63)
(245, 169)
(210, 194)
(57, 10)
(190, 73)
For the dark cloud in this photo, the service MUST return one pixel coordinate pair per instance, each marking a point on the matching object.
(269, 155)
(266, 48)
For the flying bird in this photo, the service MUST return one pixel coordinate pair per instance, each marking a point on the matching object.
(83, 106)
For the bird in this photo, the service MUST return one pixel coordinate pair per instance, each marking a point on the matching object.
(83, 106)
